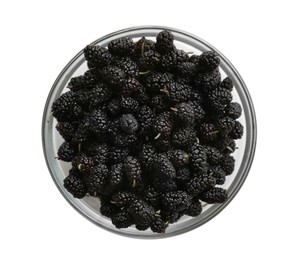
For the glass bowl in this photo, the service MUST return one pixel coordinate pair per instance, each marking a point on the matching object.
(89, 206)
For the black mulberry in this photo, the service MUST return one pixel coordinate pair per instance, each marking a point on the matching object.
(97, 56)
(66, 152)
(214, 195)
(164, 42)
(129, 123)
(75, 186)
(200, 184)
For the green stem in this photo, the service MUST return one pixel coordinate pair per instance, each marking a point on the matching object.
(144, 72)
(173, 109)
(157, 136)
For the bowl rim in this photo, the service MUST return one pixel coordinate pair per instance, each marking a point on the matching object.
(252, 143)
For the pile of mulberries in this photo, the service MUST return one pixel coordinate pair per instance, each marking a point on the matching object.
(149, 130)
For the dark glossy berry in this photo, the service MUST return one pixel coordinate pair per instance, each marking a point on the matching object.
(65, 108)
(83, 163)
(123, 198)
(82, 131)
(128, 123)
(98, 95)
(181, 137)
(175, 200)
(129, 105)
(98, 123)
(164, 184)
(130, 87)
(178, 158)
(113, 129)
(97, 179)
(184, 113)
(183, 80)
(214, 195)
(161, 144)
(198, 159)
(225, 125)
(149, 60)
(66, 130)
(168, 61)
(194, 59)
(196, 97)
(218, 174)
(145, 117)
(156, 81)
(200, 184)
(114, 107)
(159, 103)
(195, 208)
(227, 84)
(86, 81)
(98, 152)
(151, 196)
(114, 76)
(163, 167)
(171, 60)
(144, 45)
(133, 171)
(66, 152)
(122, 46)
(228, 164)
(164, 42)
(130, 67)
(142, 226)
(107, 208)
(141, 96)
(208, 61)
(97, 56)
(141, 211)
(177, 92)
(171, 216)
(158, 225)
(122, 219)
(183, 176)
(162, 124)
(117, 154)
(147, 156)
(219, 98)
(182, 56)
(208, 81)
(187, 69)
(115, 178)
(124, 140)
(199, 113)
(237, 131)
(234, 110)
(213, 155)
(82, 97)
(75, 186)
(226, 145)
(208, 132)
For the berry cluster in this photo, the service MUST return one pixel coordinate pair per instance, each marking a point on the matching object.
(149, 130)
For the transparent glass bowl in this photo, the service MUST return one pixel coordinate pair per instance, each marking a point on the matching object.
(89, 206)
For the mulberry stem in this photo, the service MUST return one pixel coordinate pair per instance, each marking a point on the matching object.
(164, 90)
(144, 72)
(157, 136)
(198, 140)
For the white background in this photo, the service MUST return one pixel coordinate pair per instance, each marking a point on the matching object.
(38, 38)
